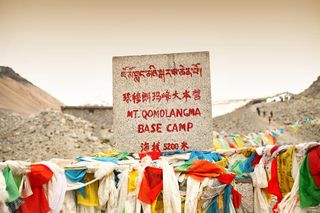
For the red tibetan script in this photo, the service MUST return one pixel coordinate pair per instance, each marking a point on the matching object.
(130, 72)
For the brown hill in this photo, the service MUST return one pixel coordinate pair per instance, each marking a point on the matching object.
(313, 90)
(19, 95)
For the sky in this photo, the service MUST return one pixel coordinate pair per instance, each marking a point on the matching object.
(257, 47)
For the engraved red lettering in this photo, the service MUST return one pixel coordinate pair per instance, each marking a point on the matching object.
(132, 114)
(153, 128)
(185, 127)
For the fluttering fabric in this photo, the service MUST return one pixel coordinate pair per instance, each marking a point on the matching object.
(236, 198)
(202, 155)
(314, 165)
(192, 190)
(290, 203)
(226, 198)
(15, 205)
(153, 155)
(200, 169)
(76, 176)
(151, 185)
(57, 187)
(171, 193)
(194, 181)
(308, 190)
(90, 195)
(37, 202)
(273, 185)
(3, 194)
(11, 188)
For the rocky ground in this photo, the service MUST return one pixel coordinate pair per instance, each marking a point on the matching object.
(52, 134)
(246, 120)
(9, 121)
(45, 135)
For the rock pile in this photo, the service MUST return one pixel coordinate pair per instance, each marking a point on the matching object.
(45, 135)
(9, 121)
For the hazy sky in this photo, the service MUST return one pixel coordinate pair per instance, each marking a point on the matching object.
(257, 47)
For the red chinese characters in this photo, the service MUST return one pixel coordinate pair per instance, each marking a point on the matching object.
(157, 96)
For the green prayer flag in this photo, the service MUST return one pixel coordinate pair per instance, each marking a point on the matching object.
(11, 186)
(308, 191)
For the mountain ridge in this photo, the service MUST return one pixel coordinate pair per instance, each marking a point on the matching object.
(8, 72)
(313, 90)
(17, 94)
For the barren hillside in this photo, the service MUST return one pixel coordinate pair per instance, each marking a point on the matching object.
(19, 95)
(246, 119)
(313, 90)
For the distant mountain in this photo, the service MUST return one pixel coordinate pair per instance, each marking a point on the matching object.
(313, 90)
(97, 101)
(226, 106)
(17, 94)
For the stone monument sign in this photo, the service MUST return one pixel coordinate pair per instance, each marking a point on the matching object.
(162, 102)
